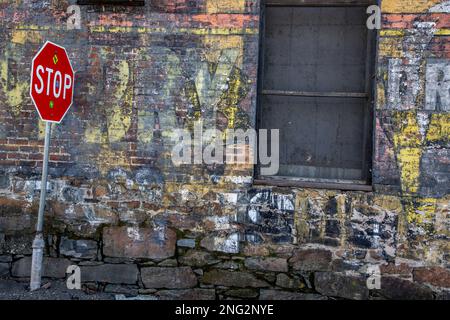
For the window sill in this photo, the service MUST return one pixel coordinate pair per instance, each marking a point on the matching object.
(344, 186)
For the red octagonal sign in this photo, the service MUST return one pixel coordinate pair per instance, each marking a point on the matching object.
(52, 80)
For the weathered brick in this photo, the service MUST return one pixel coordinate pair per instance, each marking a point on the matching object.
(133, 242)
(171, 278)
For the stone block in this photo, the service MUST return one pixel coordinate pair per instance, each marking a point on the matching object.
(436, 276)
(4, 269)
(110, 273)
(311, 260)
(233, 279)
(288, 295)
(134, 242)
(196, 258)
(267, 264)
(83, 249)
(399, 289)
(187, 294)
(51, 267)
(340, 285)
(171, 278)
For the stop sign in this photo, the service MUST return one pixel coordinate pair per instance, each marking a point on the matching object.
(52, 81)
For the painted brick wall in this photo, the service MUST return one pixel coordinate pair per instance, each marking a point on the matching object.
(134, 223)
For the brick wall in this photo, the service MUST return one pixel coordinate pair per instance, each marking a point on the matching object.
(134, 223)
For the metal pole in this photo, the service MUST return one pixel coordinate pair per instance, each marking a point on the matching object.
(38, 243)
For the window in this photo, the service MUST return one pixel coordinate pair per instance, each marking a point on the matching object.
(316, 74)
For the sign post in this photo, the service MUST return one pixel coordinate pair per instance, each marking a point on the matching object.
(38, 242)
(51, 89)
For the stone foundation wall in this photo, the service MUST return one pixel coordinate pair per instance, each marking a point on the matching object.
(137, 225)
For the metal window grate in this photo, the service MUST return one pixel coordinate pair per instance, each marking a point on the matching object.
(316, 73)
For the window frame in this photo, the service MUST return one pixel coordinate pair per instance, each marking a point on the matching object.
(370, 88)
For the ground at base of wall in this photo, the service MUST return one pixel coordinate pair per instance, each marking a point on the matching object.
(52, 290)
(12, 289)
